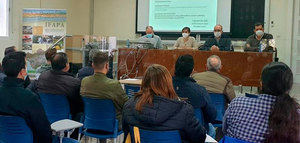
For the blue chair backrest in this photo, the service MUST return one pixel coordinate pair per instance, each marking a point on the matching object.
(56, 107)
(199, 115)
(219, 101)
(14, 129)
(99, 114)
(251, 95)
(148, 136)
(131, 89)
(227, 139)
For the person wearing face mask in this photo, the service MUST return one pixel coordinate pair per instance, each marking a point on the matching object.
(152, 38)
(253, 41)
(217, 42)
(186, 41)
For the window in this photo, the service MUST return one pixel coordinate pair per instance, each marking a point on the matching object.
(4, 17)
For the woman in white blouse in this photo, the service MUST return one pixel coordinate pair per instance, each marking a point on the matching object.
(186, 41)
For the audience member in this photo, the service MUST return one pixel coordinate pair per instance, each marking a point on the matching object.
(59, 81)
(186, 87)
(7, 51)
(88, 69)
(10, 49)
(212, 79)
(217, 42)
(47, 66)
(272, 116)
(157, 107)
(15, 100)
(101, 87)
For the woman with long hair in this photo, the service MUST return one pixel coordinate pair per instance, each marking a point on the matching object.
(157, 107)
(272, 116)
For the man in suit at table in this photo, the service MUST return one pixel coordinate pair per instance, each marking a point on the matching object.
(218, 42)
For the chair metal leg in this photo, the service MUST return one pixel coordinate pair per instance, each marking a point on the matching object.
(79, 135)
(61, 136)
(85, 139)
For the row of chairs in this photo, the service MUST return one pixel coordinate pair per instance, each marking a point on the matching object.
(98, 115)
(14, 129)
(217, 99)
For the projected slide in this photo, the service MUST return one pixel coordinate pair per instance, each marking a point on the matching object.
(173, 15)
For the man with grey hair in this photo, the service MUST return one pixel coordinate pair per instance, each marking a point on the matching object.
(212, 79)
(151, 38)
(217, 42)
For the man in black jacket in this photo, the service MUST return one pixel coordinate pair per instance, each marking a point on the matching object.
(58, 81)
(217, 42)
(15, 100)
(186, 87)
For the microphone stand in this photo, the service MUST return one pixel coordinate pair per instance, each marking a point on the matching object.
(60, 39)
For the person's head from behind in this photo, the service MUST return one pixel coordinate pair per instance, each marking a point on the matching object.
(157, 81)
(277, 79)
(149, 30)
(184, 66)
(10, 49)
(14, 65)
(258, 29)
(218, 30)
(59, 62)
(186, 31)
(49, 54)
(284, 120)
(100, 62)
(214, 63)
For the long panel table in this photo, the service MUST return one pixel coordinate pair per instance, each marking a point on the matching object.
(242, 68)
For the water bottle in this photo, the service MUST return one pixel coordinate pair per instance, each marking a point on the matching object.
(127, 43)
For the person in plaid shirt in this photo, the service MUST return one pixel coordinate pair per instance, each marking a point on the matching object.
(271, 117)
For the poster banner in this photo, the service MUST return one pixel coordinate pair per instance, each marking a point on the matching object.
(42, 28)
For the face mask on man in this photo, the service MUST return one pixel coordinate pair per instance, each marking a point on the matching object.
(217, 34)
(185, 35)
(259, 33)
(149, 35)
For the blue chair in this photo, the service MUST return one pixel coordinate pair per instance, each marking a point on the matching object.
(251, 95)
(56, 107)
(227, 139)
(209, 127)
(147, 136)
(219, 101)
(199, 115)
(131, 89)
(99, 114)
(14, 129)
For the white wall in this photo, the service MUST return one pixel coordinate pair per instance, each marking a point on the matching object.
(281, 13)
(115, 18)
(78, 20)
